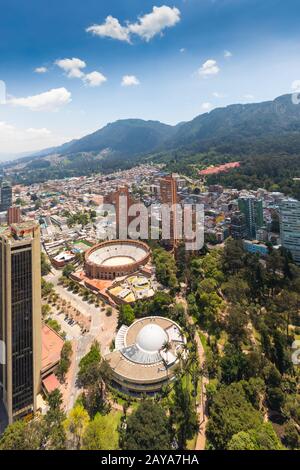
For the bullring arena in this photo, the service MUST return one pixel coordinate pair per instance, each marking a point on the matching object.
(116, 258)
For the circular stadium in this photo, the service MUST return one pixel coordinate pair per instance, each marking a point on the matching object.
(146, 354)
(116, 258)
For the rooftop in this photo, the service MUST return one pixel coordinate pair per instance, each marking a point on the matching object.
(139, 356)
(52, 345)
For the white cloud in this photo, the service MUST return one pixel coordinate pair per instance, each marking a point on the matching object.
(72, 67)
(50, 100)
(146, 26)
(227, 54)
(206, 106)
(155, 22)
(130, 80)
(216, 94)
(208, 68)
(30, 133)
(5, 128)
(14, 139)
(34, 133)
(111, 28)
(94, 79)
(295, 86)
(248, 96)
(41, 70)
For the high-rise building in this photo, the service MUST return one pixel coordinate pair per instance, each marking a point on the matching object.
(252, 208)
(238, 226)
(20, 317)
(169, 196)
(289, 217)
(6, 195)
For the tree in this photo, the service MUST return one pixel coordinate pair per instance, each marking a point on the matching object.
(261, 438)
(236, 289)
(54, 437)
(47, 288)
(233, 364)
(291, 407)
(100, 434)
(229, 414)
(92, 358)
(46, 309)
(255, 390)
(93, 375)
(95, 394)
(183, 414)
(166, 269)
(147, 428)
(75, 425)
(68, 269)
(126, 315)
(233, 255)
(291, 437)
(65, 360)
(52, 323)
(45, 266)
(21, 436)
(236, 325)
(281, 352)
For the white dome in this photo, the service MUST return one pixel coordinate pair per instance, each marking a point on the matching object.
(151, 338)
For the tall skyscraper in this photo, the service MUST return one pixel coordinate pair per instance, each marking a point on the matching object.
(252, 209)
(169, 196)
(289, 217)
(238, 226)
(20, 317)
(6, 195)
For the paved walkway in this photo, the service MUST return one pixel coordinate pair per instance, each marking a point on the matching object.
(202, 406)
(102, 329)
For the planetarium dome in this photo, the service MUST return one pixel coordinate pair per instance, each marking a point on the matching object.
(151, 338)
(140, 363)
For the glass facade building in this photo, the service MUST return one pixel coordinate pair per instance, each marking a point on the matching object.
(20, 319)
(289, 217)
(252, 209)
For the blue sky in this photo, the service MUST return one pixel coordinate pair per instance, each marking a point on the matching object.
(162, 60)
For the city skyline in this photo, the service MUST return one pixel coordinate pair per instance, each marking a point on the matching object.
(166, 61)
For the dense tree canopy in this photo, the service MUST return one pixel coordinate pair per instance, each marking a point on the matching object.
(148, 428)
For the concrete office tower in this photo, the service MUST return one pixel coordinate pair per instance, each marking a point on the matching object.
(20, 317)
(6, 195)
(122, 200)
(252, 209)
(168, 195)
(289, 218)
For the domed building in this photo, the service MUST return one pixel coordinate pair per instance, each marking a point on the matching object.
(146, 354)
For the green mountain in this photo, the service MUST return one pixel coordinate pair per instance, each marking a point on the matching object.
(233, 132)
(127, 137)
